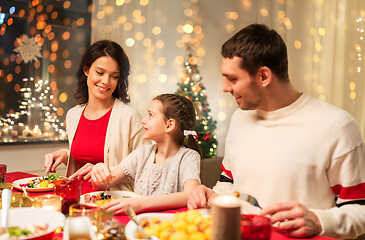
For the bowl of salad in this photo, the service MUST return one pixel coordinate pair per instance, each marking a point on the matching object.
(31, 224)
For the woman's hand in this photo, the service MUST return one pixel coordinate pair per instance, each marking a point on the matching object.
(84, 172)
(52, 160)
(100, 174)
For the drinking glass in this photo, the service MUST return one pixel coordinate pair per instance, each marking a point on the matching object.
(92, 212)
(18, 200)
(255, 227)
(48, 201)
(2, 173)
(69, 190)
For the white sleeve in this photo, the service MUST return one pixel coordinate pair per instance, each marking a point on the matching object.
(347, 178)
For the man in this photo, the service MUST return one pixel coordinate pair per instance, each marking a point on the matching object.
(302, 159)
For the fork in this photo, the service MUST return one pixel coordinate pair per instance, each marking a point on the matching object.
(107, 164)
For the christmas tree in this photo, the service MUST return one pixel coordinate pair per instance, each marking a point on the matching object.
(191, 87)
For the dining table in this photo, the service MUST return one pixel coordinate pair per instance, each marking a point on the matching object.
(86, 187)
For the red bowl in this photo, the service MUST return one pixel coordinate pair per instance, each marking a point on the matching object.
(255, 227)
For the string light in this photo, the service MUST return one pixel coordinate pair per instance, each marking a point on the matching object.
(34, 104)
(358, 49)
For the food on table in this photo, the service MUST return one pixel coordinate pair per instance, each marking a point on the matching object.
(16, 233)
(42, 182)
(99, 199)
(112, 229)
(184, 225)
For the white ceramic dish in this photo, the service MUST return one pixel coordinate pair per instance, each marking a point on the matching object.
(23, 217)
(113, 194)
(26, 181)
(131, 227)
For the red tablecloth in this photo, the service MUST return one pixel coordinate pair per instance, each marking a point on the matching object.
(123, 219)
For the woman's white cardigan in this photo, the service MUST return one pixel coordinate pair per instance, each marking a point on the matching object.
(123, 135)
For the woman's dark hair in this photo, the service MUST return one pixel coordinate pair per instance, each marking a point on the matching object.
(258, 46)
(182, 111)
(100, 49)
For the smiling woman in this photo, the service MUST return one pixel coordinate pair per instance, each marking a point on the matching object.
(102, 120)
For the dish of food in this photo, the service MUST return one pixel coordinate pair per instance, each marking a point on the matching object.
(36, 184)
(99, 199)
(41, 227)
(180, 224)
(22, 233)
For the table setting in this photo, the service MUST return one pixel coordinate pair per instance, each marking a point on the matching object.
(75, 203)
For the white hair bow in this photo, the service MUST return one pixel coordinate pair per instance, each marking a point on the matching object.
(187, 133)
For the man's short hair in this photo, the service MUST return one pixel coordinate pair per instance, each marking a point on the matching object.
(258, 46)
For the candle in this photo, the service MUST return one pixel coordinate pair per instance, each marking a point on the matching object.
(48, 202)
(226, 218)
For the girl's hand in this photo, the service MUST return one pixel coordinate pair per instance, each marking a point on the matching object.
(85, 171)
(119, 206)
(200, 197)
(100, 174)
(52, 160)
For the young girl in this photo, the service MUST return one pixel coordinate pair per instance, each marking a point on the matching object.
(164, 173)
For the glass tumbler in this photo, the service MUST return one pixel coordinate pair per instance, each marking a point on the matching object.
(48, 201)
(92, 212)
(255, 227)
(2, 173)
(69, 190)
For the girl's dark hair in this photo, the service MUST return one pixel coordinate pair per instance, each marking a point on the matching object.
(182, 111)
(100, 49)
(258, 46)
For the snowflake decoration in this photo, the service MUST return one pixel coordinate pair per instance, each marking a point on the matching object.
(28, 49)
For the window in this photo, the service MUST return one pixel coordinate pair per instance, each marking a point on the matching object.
(41, 43)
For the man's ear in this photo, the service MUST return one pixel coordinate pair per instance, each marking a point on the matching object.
(265, 76)
(170, 125)
(86, 71)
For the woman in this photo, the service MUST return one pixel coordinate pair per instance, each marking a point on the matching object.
(102, 128)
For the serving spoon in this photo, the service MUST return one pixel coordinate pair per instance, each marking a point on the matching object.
(5, 198)
(132, 215)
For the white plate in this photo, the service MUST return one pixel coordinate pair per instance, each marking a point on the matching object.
(26, 181)
(131, 227)
(113, 194)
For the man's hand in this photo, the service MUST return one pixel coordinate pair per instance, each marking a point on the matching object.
(84, 171)
(295, 220)
(200, 197)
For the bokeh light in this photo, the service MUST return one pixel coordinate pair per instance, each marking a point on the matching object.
(188, 28)
(63, 97)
